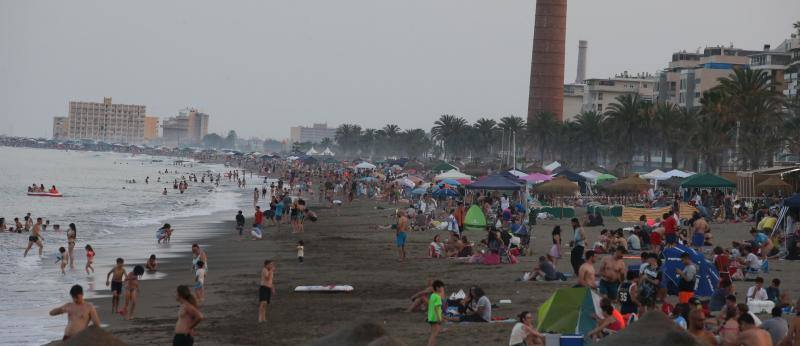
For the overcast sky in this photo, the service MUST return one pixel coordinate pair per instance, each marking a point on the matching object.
(261, 66)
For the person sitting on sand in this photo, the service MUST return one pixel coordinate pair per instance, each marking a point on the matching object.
(524, 333)
(79, 313)
(437, 248)
(476, 307)
(546, 270)
(151, 265)
(419, 301)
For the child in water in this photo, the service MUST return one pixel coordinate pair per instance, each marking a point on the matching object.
(151, 264)
(89, 259)
(199, 280)
(62, 257)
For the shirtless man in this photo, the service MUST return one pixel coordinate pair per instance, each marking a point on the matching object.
(400, 235)
(189, 316)
(612, 273)
(116, 283)
(751, 335)
(35, 237)
(79, 313)
(697, 233)
(586, 276)
(266, 290)
(697, 328)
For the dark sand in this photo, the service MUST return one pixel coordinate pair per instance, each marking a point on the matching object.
(344, 250)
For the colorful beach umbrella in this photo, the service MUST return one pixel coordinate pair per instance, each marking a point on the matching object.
(569, 311)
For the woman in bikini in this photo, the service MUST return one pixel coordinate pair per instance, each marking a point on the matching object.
(89, 259)
(72, 234)
(131, 291)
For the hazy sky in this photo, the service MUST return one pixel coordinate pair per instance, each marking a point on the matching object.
(261, 66)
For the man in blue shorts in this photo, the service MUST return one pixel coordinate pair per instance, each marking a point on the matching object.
(400, 235)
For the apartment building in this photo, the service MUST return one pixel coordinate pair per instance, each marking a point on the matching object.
(106, 121)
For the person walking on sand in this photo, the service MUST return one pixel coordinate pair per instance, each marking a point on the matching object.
(35, 237)
(612, 273)
(240, 223)
(131, 292)
(255, 197)
(79, 313)
(199, 280)
(118, 272)
(400, 235)
(189, 316)
(266, 290)
(435, 317)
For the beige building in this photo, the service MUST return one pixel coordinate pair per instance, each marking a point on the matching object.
(689, 75)
(150, 128)
(187, 128)
(573, 100)
(599, 93)
(108, 122)
(313, 134)
(60, 127)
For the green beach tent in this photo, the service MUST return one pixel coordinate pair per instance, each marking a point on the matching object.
(605, 177)
(569, 311)
(707, 181)
(474, 220)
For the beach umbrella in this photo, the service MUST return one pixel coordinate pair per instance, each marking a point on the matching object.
(707, 275)
(406, 182)
(630, 184)
(419, 191)
(450, 182)
(774, 184)
(656, 174)
(444, 193)
(452, 174)
(464, 181)
(560, 186)
(365, 165)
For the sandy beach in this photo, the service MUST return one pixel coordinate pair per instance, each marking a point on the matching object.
(344, 249)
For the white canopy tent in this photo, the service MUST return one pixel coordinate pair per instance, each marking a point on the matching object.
(552, 166)
(678, 173)
(328, 152)
(365, 165)
(655, 175)
(452, 174)
(312, 152)
(590, 175)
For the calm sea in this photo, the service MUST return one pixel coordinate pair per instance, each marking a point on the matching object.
(117, 218)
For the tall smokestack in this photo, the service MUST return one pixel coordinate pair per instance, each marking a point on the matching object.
(582, 47)
(547, 65)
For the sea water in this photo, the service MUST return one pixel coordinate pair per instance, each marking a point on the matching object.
(118, 218)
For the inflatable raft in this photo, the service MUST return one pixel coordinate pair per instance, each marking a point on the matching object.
(45, 194)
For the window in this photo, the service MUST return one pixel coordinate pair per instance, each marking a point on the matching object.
(599, 96)
(599, 107)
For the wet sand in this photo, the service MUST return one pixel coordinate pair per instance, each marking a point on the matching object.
(346, 249)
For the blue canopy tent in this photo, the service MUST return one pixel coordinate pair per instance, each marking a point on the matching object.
(495, 182)
(444, 193)
(707, 275)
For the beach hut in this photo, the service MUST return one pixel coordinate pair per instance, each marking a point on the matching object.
(569, 311)
(474, 219)
(707, 275)
(774, 184)
(630, 184)
(559, 186)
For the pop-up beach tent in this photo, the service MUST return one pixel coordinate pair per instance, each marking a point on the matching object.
(707, 275)
(496, 182)
(475, 220)
(569, 311)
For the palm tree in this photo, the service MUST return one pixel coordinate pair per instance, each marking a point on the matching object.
(756, 108)
(624, 116)
(513, 128)
(486, 134)
(796, 26)
(541, 131)
(348, 136)
(448, 131)
(589, 127)
(415, 142)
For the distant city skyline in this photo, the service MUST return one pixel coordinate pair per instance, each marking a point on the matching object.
(262, 67)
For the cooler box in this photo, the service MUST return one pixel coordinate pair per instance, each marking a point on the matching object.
(571, 340)
(552, 339)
